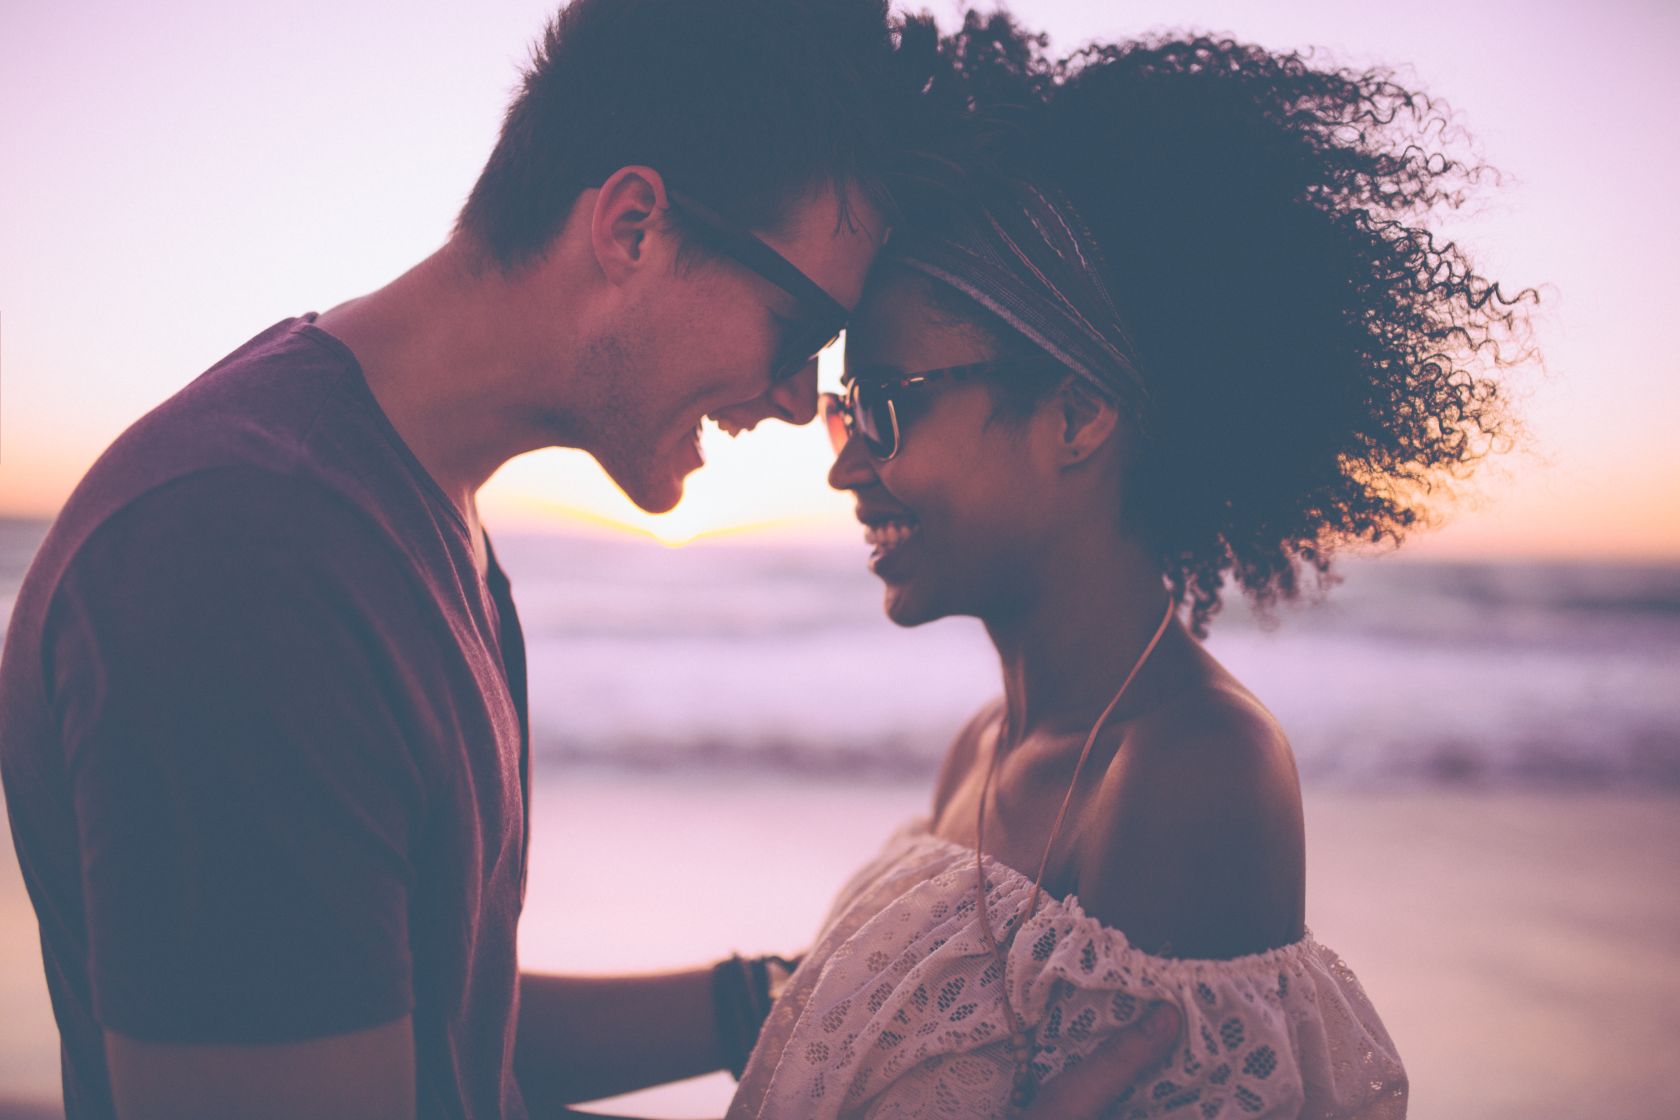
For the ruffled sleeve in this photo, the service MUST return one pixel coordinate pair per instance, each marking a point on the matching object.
(1284, 1033)
(897, 1011)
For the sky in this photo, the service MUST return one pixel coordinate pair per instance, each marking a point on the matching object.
(178, 175)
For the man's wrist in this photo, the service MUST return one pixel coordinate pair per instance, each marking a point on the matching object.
(743, 991)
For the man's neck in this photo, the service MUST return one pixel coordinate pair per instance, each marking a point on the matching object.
(448, 351)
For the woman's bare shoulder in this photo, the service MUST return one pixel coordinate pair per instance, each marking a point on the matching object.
(964, 749)
(1194, 843)
(1215, 719)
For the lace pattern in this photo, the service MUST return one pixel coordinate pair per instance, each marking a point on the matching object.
(896, 1011)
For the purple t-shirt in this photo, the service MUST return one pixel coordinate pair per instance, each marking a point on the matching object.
(264, 738)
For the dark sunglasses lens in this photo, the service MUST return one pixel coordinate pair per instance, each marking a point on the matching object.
(873, 416)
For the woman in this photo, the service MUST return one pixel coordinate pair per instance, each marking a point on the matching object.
(1180, 324)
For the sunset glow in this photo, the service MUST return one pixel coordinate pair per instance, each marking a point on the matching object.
(769, 481)
(658, 744)
(186, 177)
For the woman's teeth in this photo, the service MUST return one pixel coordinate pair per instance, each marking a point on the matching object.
(888, 535)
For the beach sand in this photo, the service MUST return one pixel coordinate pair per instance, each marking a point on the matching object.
(1524, 949)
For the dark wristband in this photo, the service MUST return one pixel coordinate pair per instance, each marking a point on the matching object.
(742, 993)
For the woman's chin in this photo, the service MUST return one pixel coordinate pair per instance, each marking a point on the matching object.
(904, 607)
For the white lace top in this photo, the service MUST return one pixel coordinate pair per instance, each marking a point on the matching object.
(895, 1010)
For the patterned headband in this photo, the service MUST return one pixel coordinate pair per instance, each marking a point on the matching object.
(1026, 257)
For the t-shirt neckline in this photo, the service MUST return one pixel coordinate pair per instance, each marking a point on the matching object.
(305, 326)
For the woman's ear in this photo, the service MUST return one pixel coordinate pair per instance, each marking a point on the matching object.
(1087, 420)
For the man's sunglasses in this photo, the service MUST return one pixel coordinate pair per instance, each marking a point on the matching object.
(820, 317)
(869, 406)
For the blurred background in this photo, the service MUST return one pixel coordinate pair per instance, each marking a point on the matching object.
(1488, 721)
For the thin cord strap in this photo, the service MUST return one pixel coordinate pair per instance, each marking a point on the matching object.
(1084, 755)
(1025, 1084)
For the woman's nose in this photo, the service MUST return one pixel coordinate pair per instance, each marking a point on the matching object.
(853, 468)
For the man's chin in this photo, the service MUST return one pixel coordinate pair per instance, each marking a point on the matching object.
(654, 495)
(658, 505)
(653, 481)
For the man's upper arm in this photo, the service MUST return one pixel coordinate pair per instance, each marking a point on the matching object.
(365, 1075)
(246, 792)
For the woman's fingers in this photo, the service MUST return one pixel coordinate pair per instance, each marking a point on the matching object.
(1088, 1089)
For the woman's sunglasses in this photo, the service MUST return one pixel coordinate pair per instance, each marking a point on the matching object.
(821, 317)
(868, 408)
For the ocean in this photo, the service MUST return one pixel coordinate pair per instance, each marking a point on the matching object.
(774, 658)
(726, 731)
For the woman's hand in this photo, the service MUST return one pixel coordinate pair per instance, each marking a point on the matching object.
(1087, 1091)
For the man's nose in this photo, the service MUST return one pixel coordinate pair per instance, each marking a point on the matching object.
(795, 398)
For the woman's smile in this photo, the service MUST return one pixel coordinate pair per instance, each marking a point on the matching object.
(889, 533)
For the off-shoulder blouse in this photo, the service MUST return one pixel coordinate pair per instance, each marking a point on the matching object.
(895, 1011)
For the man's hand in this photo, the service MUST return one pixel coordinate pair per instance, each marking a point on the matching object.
(1087, 1090)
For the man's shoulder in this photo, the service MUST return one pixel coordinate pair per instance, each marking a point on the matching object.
(229, 538)
(227, 512)
(236, 460)
(259, 406)
(222, 551)
(235, 575)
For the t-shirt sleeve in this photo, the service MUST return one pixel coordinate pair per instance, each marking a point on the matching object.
(238, 665)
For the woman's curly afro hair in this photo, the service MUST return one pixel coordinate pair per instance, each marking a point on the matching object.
(1318, 361)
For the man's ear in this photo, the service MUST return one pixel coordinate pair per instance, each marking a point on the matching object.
(627, 220)
(1087, 420)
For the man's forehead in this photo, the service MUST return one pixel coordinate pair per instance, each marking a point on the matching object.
(831, 210)
(833, 239)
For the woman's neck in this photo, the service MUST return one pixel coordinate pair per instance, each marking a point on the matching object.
(1075, 635)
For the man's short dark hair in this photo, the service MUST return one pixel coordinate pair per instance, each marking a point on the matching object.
(744, 104)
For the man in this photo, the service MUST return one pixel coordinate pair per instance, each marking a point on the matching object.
(262, 704)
